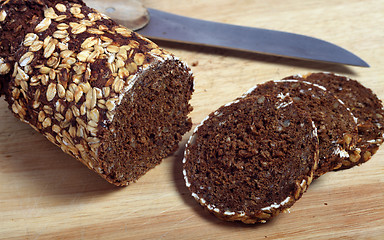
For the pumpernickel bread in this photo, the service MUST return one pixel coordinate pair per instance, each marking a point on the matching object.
(102, 93)
(335, 124)
(365, 106)
(251, 159)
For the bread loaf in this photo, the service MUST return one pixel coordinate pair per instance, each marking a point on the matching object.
(105, 95)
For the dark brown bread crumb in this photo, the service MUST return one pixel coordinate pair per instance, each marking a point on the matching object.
(102, 93)
(365, 106)
(335, 125)
(251, 159)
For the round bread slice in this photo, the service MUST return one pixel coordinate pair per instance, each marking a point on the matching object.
(335, 124)
(251, 159)
(365, 106)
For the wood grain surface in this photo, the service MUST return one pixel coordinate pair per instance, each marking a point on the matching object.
(45, 194)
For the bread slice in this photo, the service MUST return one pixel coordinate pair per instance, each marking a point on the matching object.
(335, 124)
(365, 106)
(251, 159)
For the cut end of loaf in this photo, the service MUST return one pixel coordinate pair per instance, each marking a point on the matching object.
(148, 124)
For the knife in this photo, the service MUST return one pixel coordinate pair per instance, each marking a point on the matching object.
(156, 24)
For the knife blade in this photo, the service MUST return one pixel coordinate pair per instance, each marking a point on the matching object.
(172, 27)
(167, 26)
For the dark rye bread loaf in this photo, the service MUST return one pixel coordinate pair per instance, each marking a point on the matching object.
(251, 159)
(365, 106)
(335, 124)
(102, 93)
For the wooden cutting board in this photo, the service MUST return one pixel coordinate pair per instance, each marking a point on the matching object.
(45, 194)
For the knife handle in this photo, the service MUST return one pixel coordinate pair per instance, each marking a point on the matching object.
(130, 13)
